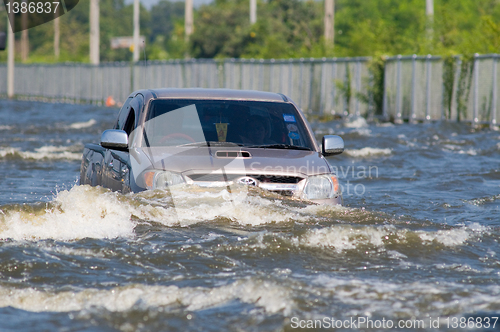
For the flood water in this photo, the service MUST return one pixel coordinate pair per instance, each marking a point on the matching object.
(416, 242)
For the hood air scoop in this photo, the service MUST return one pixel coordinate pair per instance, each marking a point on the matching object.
(233, 154)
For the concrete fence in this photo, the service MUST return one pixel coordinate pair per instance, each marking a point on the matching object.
(415, 88)
(432, 88)
(319, 86)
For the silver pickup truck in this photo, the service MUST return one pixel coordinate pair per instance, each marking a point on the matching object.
(167, 138)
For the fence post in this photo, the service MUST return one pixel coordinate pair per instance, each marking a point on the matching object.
(334, 83)
(371, 108)
(282, 76)
(272, 68)
(454, 97)
(358, 86)
(311, 82)
(384, 99)
(428, 66)
(240, 62)
(322, 88)
(398, 91)
(476, 89)
(494, 93)
(252, 72)
(346, 82)
(301, 76)
(260, 84)
(413, 86)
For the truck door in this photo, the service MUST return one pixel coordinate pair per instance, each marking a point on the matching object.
(117, 163)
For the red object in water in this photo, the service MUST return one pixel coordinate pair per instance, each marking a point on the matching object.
(110, 102)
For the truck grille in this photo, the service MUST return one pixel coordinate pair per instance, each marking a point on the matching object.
(210, 177)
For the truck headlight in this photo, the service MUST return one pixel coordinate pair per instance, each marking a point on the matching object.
(322, 187)
(162, 179)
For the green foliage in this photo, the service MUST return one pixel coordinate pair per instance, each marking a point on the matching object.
(284, 29)
(464, 85)
(449, 69)
(375, 84)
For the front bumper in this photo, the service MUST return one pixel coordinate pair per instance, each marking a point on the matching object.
(286, 185)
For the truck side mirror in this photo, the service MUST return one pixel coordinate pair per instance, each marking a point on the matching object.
(332, 144)
(3, 38)
(114, 139)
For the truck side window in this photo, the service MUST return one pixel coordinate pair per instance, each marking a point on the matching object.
(123, 115)
(130, 123)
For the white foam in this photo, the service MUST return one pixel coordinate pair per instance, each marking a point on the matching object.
(5, 127)
(86, 211)
(79, 213)
(44, 152)
(192, 205)
(385, 124)
(363, 132)
(81, 125)
(470, 152)
(270, 296)
(449, 238)
(459, 150)
(367, 152)
(356, 122)
(416, 299)
(4, 152)
(343, 237)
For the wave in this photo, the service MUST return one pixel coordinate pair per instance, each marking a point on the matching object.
(82, 125)
(355, 122)
(458, 149)
(344, 237)
(388, 298)
(43, 153)
(483, 200)
(270, 296)
(94, 212)
(82, 212)
(368, 152)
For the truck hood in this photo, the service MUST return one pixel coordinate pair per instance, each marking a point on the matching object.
(235, 160)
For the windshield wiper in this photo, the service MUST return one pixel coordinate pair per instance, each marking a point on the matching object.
(279, 146)
(212, 143)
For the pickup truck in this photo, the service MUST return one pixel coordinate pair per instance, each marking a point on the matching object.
(168, 138)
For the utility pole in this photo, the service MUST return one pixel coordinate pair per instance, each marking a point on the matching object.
(57, 35)
(136, 31)
(429, 11)
(329, 21)
(94, 32)
(188, 23)
(24, 36)
(10, 58)
(253, 11)
(188, 19)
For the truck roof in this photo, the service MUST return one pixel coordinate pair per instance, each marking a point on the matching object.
(230, 94)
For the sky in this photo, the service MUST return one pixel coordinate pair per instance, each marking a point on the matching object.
(149, 3)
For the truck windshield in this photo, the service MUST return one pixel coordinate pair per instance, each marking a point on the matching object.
(175, 122)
